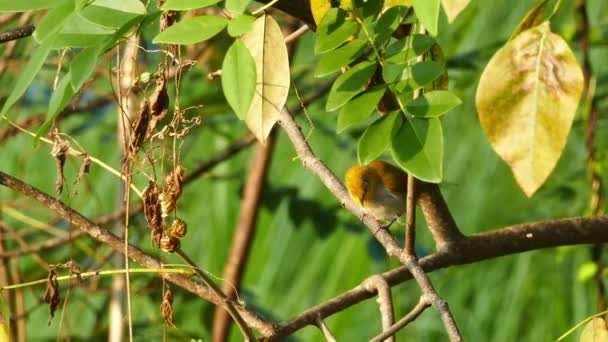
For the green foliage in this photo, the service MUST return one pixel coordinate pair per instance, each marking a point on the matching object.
(182, 5)
(193, 30)
(349, 84)
(334, 29)
(377, 137)
(359, 108)
(238, 78)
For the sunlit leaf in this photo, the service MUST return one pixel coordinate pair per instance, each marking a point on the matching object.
(417, 147)
(53, 20)
(418, 75)
(595, 331)
(334, 30)
(434, 103)
(392, 3)
(533, 17)
(402, 51)
(526, 99)
(340, 57)
(192, 30)
(26, 5)
(427, 11)
(267, 46)
(453, 8)
(182, 5)
(237, 6)
(240, 25)
(349, 84)
(238, 78)
(377, 137)
(111, 14)
(359, 108)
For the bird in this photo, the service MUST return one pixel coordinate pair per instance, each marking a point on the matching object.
(380, 188)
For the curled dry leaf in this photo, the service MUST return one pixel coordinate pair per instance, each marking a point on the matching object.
(59, 152)
(174, 181)
(527, 98)
(152, 210)
(52, 292)
(268, 49)
(84, 168)
(166, 308)
(159, 103)
(140, 127)
(167, 19)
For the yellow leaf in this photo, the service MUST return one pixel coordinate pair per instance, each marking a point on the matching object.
(453, 8)
(268, 49)
(595, 331)
(320, 7)
(526, 99)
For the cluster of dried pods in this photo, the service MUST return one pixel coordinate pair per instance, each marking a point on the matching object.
(158, 205)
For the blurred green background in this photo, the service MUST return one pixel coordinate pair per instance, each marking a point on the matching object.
(307, 249)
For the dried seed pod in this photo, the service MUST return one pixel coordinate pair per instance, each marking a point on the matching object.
(169, 244)
(152, 207)
(179, 229)
(52, 292)
(173, 182)
(167, 203)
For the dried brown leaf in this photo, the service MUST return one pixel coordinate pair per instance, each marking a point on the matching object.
(59, 152)
(159, 103)
(140, 127)
(52, 292)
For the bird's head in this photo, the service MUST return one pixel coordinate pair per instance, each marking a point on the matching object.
(361, 182)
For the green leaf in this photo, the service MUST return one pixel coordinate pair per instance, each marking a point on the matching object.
(402, 51)
(60, 98)
(388, 23)
(108, 14)
(80, 32)
(192, 30)
(342, 56)
(26, 76)
(240, 25)
(26, 5)
(183, 5)
(238, 78)
(416, 76)
(349, 84)
(334, 30)
(427, 11)
(377, 137)
(237, 6)
(82, 66)
(359, 108)
(267, 46)
(124, 30)
(434, 103)
(527, 97)
(53, 20)
(417, 147)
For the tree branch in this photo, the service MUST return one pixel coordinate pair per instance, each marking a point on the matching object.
(16, 33)
(379, 285)
(134, 253)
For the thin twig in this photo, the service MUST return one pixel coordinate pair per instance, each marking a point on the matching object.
(410, 217)
(16, 33)
(422, 305)
(227, 304)
(378, 284)
(329, 337)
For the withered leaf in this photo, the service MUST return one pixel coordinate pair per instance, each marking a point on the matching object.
(140, 127)
(52, 293)
(166, 308)
(59, 152)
